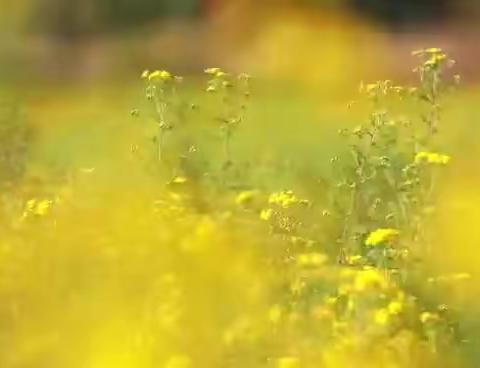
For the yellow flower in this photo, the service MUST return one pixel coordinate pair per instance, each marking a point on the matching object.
(43, 207)
(212, 71)
(30, 205)
(284, 199)
(381, 316)
(245, 198)
(395, 307)
(266, 214)
(288, 362)
(159, 75)
(179, 180)
(311, 259)
(381, 237)
(369, 278)
(433, 50)
(426, 317)
(431, 158)
(37, 207)
(145, 74)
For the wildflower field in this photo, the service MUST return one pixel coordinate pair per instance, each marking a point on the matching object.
(220, 220)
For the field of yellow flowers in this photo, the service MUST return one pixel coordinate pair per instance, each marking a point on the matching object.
(203, 226)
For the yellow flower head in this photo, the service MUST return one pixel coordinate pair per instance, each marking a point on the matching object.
(381, 317)
(179, 180)
(266, 214)
(395, 307)
(160, 76)
(432, 158)
(246, 198)
(37, 207)
(381, 237)
(311, 259)
(427, 317)
(369, 278)
(212, 71)
(43, 207)
(284, 199)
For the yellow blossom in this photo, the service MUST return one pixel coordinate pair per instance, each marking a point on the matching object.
(266, 214)
(381, 237)
(311, 259)
(43, 207)
(37, 207)
(381, 316)
(212, 71)
(179, 180)
(284, 199)
(245, 198)
(395, 307)
(426, 317)
(159, 75)
(431, 158)
(369, 278)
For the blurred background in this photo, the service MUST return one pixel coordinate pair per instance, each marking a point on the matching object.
(332, 39)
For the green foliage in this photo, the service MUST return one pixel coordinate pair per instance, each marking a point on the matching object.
(15, 136)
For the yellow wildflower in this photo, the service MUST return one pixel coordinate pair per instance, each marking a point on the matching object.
(160, 75)
(284, 199)
(381, 316)
(311, 259)
(37, 207)
(381, 237)
(432, 158)
(245, 198)
(369, 278)
(212, 71)
(434, 50)
(179, 180)
(426, 317)
(266, 214)
(145, 74)
(43, 207)
(395, 307)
